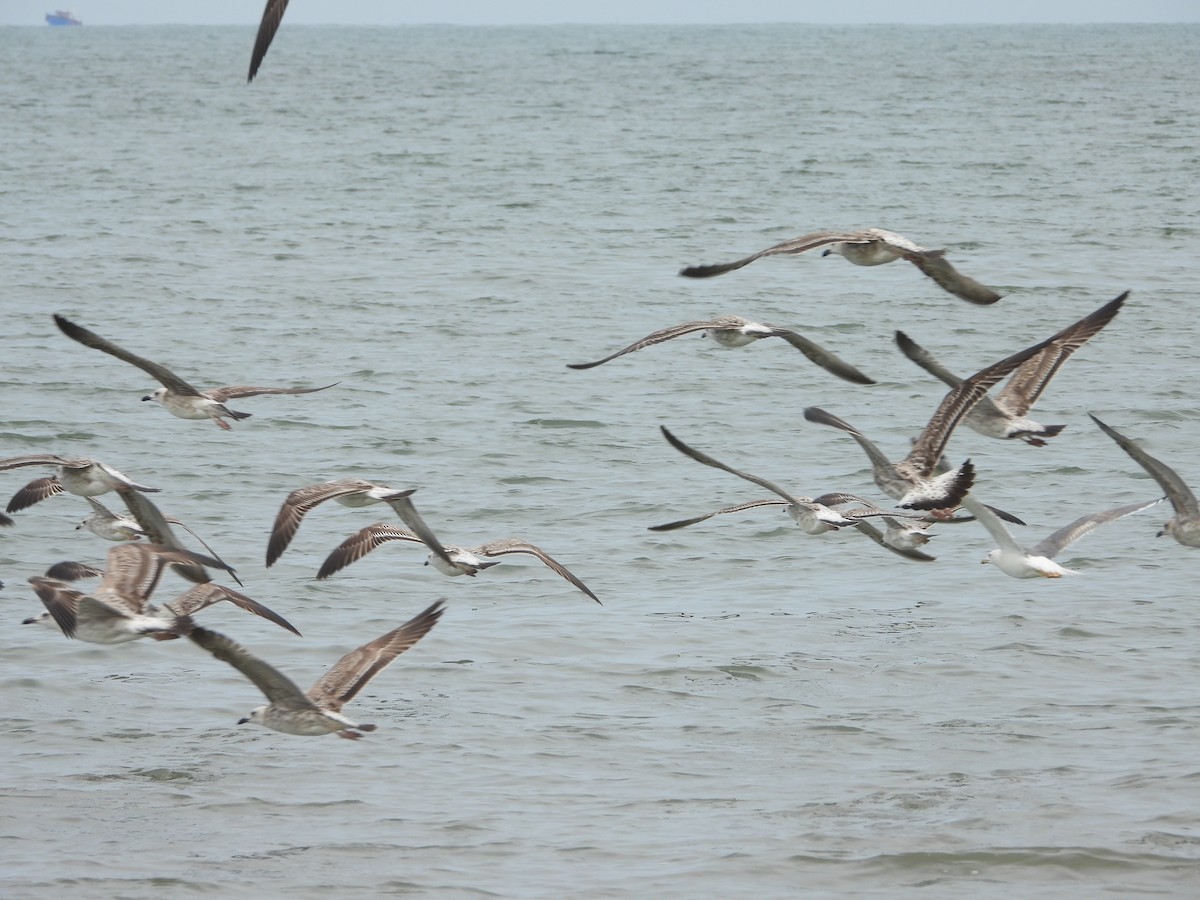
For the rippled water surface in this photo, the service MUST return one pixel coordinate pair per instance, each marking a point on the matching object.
(441, 218)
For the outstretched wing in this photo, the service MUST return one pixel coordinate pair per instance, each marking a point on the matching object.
(933, 263)
(222, 394)
(361, 543)
(658, 337)
(830, 362)
(277, 687)
(716, 464)
(205, 595)
(350, 674)
(271, 17)
(1050, 546)
(684, 523)
(299, 503)
(35, 492)
(800, 244)
(1168, 479)
(159, 373)
(516, 545)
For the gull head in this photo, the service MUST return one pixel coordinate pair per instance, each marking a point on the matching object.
(157, 395)
(256, 715)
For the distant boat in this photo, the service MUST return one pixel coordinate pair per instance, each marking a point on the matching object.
(61, 17)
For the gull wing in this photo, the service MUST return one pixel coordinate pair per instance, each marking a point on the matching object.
(403, 507)
(205, 595)
(882, 468)
(159, 373)
(934, 264)
(791, 247)
(816, 353)
(992, 523)
(35, 492)
(300, 502)
(1050, 546)
(351, 673)
(237, 392)
(665, 334)
(684, 523)
(133, 571)
(1180, 495)
(68, 570)
(926, 361)
(277, 687)
(271, 17)
(516, 545)
(156, 527)
(60, 601)
(1028, 382)
(754, 479)
(361, 543)
(33, 459)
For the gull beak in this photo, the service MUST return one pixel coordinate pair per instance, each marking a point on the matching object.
(147, 397)
(826, 252)
(240, 721)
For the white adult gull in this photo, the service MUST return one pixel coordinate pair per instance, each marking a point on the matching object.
(448, 559)
(870, 247)
(814, 515)
(1007, 417)
(352, 492)
(734, 331)
(1038, 561)
(75, 475)
(319, 709)
(177, 396)
(1184, 526)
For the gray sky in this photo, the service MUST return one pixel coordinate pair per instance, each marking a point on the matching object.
(494, 12)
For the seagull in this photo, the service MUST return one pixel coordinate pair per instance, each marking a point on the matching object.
(318, 711)
(76, 475)
(1007, 416)
(734, 331)
(1038, 561)
(271, 17)
(177, 396)
(353, 492)
(872, 247)
(909, 481)
(1184, 526)
(157, 528)
(446, 558)
(813, 515)
(119, 609)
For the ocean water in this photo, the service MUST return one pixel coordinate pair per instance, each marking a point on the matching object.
(440, 219)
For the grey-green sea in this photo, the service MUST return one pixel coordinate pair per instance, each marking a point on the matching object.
(440, 219)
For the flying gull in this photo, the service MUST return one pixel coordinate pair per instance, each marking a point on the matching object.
(872, 247)
(814, 515)
(352, 492)
(271, 17)
(1038, 560)
(446, 558)
(1184, 526)
(119, 609)
(76, 475)
(912, 481)
(177, 396)
(734, 331)
(1007, 416)
(318, 711)
(111, 526)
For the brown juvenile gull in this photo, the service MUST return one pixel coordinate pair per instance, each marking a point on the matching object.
(446, 558)
(814, 515)
(734, 331)
(119, 609)
(1184, 526)
(317, 711)
(352, 492)
(76, 475)
(177, 396)
(871, 247)
(1038, 561)
(912, 481)
(1007, 416)
(271, 17)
